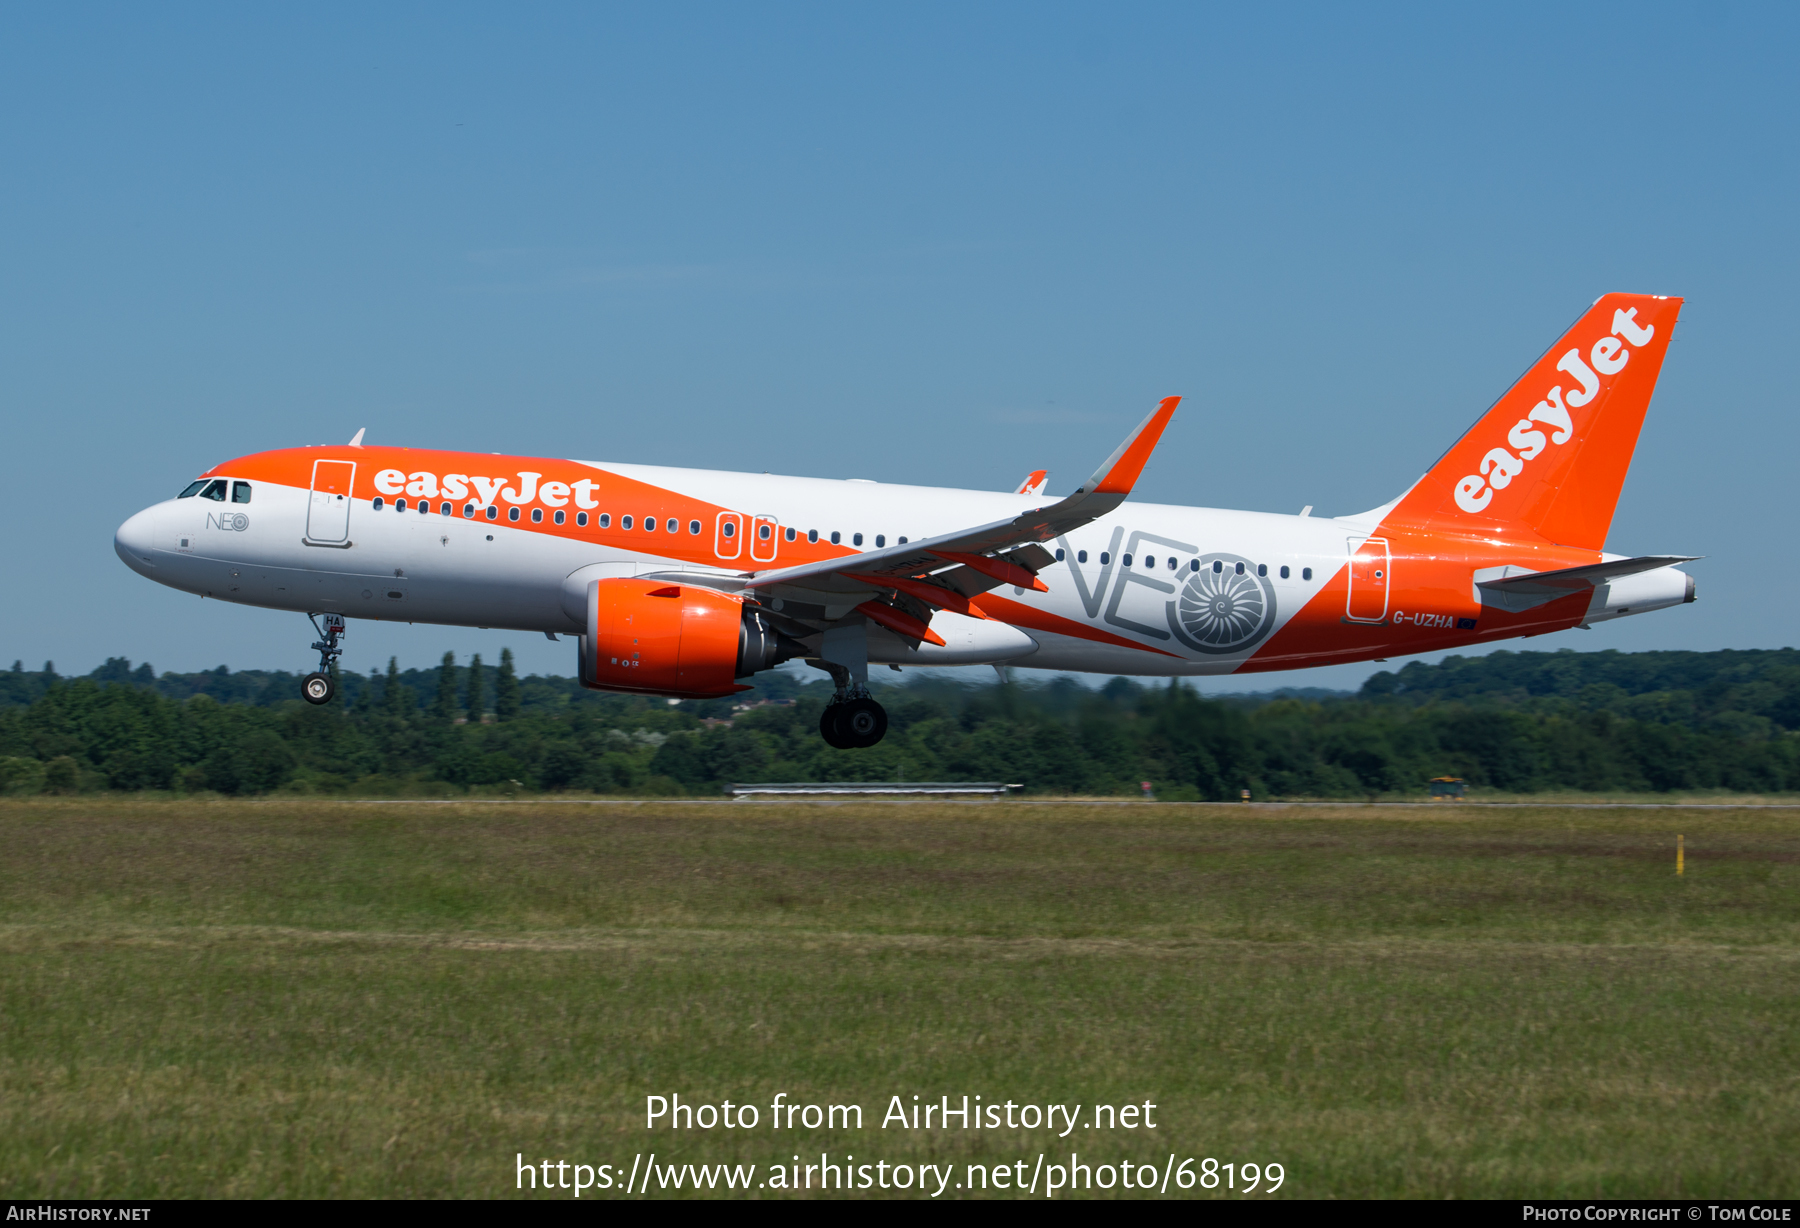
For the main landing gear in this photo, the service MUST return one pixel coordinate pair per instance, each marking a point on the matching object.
(317, 687)
(852, 720)
(853, 723)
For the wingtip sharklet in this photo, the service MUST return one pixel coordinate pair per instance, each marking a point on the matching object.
(1120, 471)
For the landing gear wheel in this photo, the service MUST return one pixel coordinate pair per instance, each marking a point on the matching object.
(861, 723)
(317, 688)
(829, 728)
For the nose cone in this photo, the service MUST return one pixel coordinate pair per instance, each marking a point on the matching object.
(135, 541)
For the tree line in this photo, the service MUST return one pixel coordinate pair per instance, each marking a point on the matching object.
(1510, 722)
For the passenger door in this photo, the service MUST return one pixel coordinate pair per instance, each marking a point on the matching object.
(328, 514)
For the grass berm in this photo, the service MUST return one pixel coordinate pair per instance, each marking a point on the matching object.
(305, 998)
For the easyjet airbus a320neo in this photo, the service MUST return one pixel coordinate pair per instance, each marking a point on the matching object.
(682, 582)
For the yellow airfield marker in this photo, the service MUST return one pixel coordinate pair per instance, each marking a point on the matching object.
(1679, 850)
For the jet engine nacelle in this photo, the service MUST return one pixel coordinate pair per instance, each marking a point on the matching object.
(671, 639)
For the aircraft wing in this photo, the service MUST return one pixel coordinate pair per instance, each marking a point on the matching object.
(974, 553)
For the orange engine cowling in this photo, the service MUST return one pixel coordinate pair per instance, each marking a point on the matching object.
(667, 639)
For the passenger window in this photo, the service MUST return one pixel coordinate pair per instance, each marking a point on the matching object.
(730, 529)
(378, 503)
(444, 509)
(902, 541)
(493, 513)
(790, 534)
(1150, 560)
(560, 517)
(605, 521)
(1105, 557)
(1262, 569)
(399, 505)
(1126, 560)
(674, 525)
(1239, 569)
(468, 511)
(424, 506)
(1059, 556)
(880, 540)
(1194, 565)
(855, 539)
(1218, 566)
(240, 492)
(649, 524)
(512, 514)
(812, 535)
(215, 491)
(580, 519)
(192, 490)
(624, 522)
(694, 527)
(762, 531)
(1173, 562)
(1081, 556)
(537, 515)
(1306, 573)
(1284, 571)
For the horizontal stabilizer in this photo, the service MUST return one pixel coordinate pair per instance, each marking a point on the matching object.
(1515, 588)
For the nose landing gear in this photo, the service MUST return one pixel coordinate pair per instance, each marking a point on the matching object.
(317, 687)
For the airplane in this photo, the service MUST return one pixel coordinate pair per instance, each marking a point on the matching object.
(685, 582)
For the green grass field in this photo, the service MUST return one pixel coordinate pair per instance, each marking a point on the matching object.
(319, 999)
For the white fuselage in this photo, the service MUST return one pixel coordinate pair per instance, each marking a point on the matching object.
(1115, 583)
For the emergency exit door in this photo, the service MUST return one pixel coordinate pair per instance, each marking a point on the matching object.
(728, 536)
(1370, 576)
(328, 515)
(766, 538)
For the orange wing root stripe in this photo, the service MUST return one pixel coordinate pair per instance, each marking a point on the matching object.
(1005, 609)
(999, 569)
(901, 624)
(930, 594)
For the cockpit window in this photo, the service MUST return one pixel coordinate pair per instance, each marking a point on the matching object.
(215, 491)
(192, 490)
(240, 492)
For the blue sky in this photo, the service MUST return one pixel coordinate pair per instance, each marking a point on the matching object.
(929, 244)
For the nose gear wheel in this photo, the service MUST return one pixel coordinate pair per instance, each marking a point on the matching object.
(318, 686)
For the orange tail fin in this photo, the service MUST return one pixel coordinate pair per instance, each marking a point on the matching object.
(1552, 453)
